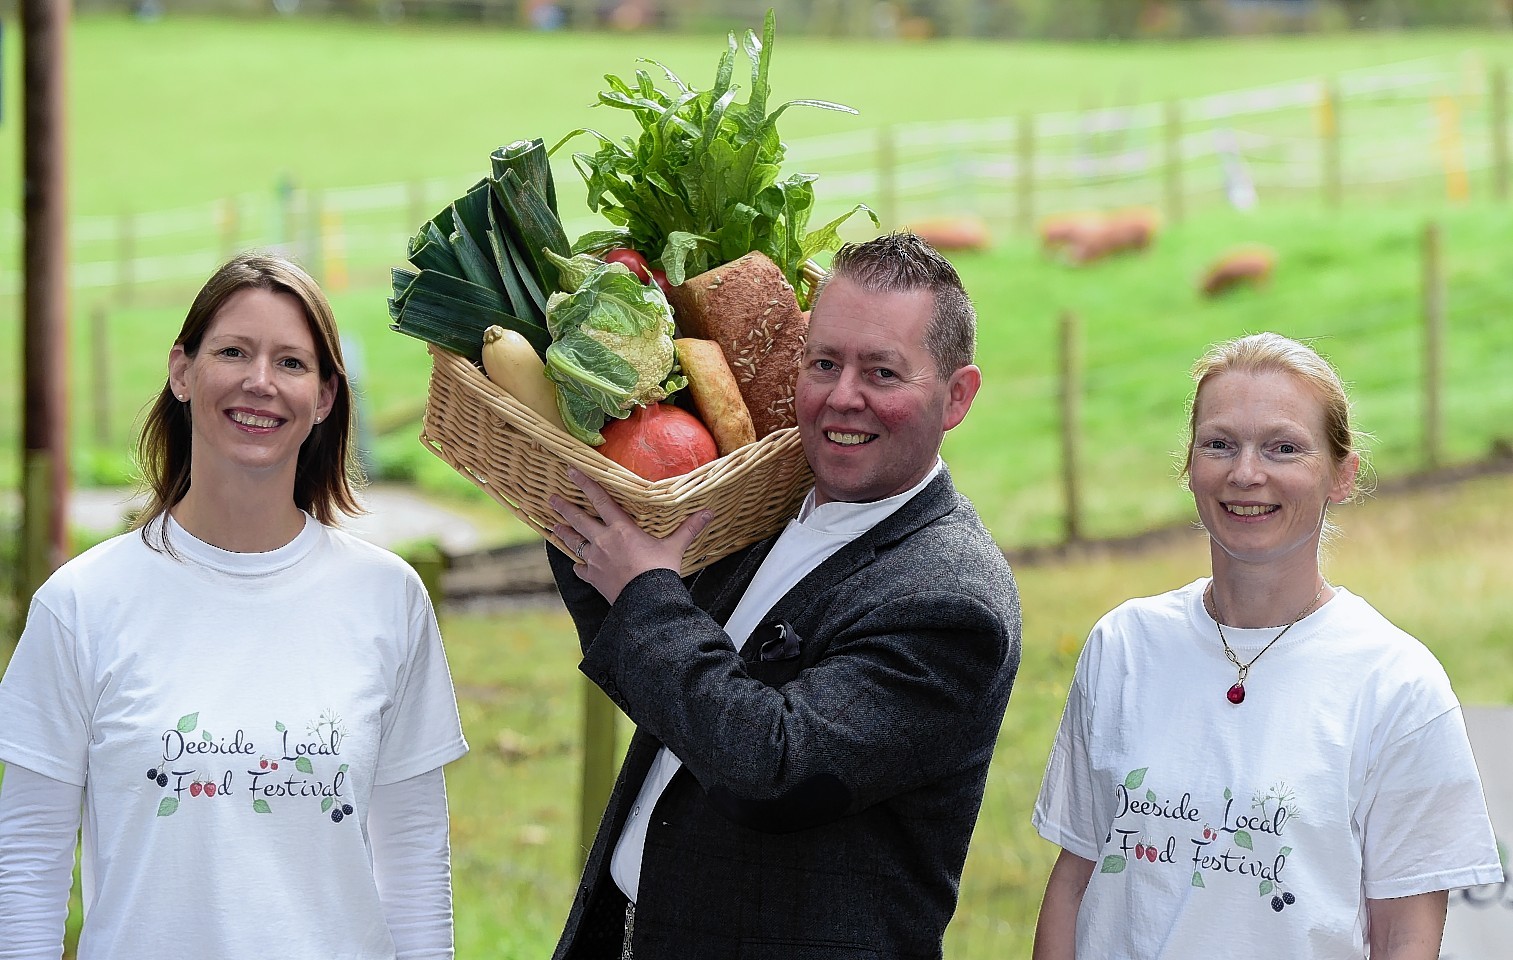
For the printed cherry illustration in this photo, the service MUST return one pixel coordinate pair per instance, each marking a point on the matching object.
(195, 788)
(263, 763)
(209, 788)
(273, 765)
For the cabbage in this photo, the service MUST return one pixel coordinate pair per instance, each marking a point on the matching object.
(611, 344)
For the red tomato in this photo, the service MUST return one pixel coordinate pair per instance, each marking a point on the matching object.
(659, 276)
(631, 259)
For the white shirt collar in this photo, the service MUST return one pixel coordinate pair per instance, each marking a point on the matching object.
(838, 517)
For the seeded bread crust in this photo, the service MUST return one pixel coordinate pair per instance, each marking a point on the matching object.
(750, 310)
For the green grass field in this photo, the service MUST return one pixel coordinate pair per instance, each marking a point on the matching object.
(184, 111)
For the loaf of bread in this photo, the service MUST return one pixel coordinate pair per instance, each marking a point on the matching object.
(715, 393)
(748, 307)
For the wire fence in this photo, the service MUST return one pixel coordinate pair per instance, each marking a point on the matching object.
(1420, 129)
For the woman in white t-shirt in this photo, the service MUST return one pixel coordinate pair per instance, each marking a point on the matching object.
(246, 709)
(1259, 764)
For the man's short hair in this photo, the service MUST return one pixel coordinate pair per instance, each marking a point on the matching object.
(903, 261)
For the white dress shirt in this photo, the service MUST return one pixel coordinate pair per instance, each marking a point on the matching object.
(808, 541)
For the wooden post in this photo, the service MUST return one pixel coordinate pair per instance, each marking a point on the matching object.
(1498, 105)
(126, 254)
(228, 228)
(415, 202)
(1173, 139)
(1329, 135)
(1452, 150)
(1071, 422)
(99, 375)
(1434, 343)
(1026, 208)
(312, 246)
(887, 179)
(598, 764)
(44, 295)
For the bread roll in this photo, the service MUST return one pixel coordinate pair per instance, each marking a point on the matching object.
(748, 307)
(715, 393)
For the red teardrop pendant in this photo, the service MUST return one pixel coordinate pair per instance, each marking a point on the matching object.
(1236, 693)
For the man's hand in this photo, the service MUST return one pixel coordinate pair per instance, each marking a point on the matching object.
(610, 549)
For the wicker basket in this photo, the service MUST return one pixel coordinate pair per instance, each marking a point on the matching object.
(521, 461)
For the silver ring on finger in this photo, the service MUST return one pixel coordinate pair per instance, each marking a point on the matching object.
(578, 550)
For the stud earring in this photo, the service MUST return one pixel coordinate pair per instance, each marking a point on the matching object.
(317, 419)
(181, 397)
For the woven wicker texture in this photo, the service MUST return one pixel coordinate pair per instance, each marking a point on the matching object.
(521, 461)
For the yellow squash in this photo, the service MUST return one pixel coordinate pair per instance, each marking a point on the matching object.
(511, 362)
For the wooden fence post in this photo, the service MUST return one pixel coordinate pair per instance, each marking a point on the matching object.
(1026, 206)
(598, 764)
(887, 178)
(1434, 342)
(126, 252)
(99, 364)
(1071, 419)
(1173, 139)
(1329, 135)
(1498, 105)
(229, 226)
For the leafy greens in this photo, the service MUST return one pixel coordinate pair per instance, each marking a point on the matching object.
(699, 187)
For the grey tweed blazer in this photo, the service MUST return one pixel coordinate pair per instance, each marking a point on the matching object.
(834, 762)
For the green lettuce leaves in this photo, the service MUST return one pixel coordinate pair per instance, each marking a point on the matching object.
(699, 187)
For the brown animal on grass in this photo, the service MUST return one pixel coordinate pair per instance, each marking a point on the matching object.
(953, 233)
(1250, 265)
(1083, 238)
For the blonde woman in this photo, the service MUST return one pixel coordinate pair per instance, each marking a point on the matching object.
(1259, 764)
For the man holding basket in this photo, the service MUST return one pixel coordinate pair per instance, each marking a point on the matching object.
(816, 713)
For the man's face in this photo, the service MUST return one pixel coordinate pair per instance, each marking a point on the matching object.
(871, 407)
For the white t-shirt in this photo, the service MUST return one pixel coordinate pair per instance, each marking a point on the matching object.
(1258, 829)
(266, 694)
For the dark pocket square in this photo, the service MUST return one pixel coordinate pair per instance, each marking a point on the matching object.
(779, 641)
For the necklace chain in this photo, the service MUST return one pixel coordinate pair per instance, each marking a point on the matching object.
(1244, 668)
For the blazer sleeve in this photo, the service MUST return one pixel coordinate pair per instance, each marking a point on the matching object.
(910, 688)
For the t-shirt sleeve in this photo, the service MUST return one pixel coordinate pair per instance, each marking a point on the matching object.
(421, 730)
(1064, 812)
(44, 710)
(1424, 821)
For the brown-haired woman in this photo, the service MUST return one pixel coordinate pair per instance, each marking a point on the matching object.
(1259, 763)
(251, 707)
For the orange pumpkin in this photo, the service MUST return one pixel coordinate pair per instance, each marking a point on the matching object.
(658, 441)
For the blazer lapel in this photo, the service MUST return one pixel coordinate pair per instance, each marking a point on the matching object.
(936, 500)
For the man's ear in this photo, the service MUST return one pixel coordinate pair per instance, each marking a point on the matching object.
(960, 391)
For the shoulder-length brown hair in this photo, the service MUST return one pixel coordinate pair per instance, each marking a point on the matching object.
(327, 473)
